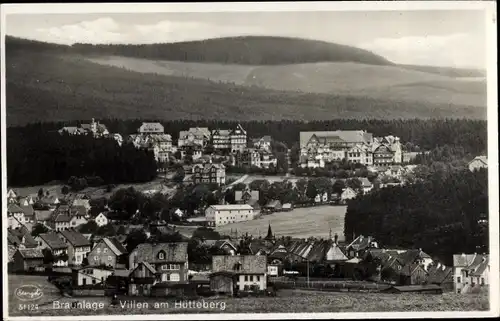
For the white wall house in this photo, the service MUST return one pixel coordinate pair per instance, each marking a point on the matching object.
(218, 215)
(101, 220)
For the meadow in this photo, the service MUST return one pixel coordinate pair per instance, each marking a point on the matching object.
(345, 78)
(301, 223)
(288, 301)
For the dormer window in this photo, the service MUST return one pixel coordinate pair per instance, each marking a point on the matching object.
(161, 255)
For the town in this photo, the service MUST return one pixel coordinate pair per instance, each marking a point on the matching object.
(89, 249)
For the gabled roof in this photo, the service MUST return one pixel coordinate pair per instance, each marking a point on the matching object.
(28, 210)
(440, 274)
(60, 218)
(78, 210)
(174, 252)
(238, 195)
(483, 159)
(14, 209)
(481, 267)
(31, 253)
(242, 264)
(75, 238)
(349, 136)
(53, 241)
(463, 260)
(13, 239)
(232, 207)
(365, 182)
(360, 243)
(41, 216)
(114, 245)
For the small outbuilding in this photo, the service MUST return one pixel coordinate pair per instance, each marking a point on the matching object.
(430, 289)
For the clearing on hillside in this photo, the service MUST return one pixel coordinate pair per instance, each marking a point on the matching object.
(301, 222)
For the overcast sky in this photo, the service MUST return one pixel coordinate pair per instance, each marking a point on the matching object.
(440, 38)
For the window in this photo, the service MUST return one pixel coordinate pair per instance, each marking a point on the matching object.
(161, 255)
(482, 281)
(98, 251)
(246, 278)
(105, 250)
(459, 279)
(110, 257)
(93, 281)
(95, 258)
(258, 278)
(251, 278)
(466, 274)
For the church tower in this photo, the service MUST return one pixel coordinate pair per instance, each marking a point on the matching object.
(269, 235)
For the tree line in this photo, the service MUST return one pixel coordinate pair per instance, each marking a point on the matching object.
(443, 215)
(36, 156)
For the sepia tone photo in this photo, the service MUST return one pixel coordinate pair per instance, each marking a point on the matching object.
(186, 161)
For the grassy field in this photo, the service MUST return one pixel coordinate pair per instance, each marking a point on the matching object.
(301, 222)
(290, 301)
(50, 292)
(330, 77)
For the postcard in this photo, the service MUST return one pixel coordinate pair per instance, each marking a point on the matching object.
(291, 160)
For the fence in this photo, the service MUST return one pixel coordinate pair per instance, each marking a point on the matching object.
(332, 286)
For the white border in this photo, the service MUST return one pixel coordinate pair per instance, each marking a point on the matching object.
(489, 7)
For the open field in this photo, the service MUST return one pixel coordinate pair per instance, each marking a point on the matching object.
(301, 222)
(94, 192)
(347, 78)
(289, 301)
(50, 292)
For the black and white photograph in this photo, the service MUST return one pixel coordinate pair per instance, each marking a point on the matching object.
(249, 160)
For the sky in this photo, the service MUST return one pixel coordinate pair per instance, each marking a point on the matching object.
(437, 38)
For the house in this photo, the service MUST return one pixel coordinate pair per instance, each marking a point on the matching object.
(225, 245)
(366, 185)
(230, 140)
(50, 201)
(11, 195)
(27, 201)
(382, 154)
(471, 272)
(15, 216)
(263, 143)
(360, 245)
(90, 275)
(95, 129)
(21, 238)
(141, 279)
(77, 219)
(58, 248)
(43, 217)
(338, 140)
(243, 197)
(347, 194)
(273, 206)
(441, 275)
(170, 260)
(287, 207)
(478, 162)
(361, 154)
(78, 246)
(27, 260)
(151, 128)
(101, 219)
(209, 174)
(61, 222)
(394, 145)
(218, 215)
(232, 274)
(199, 136)
(81, 202)
(106, 252)
(321, 198)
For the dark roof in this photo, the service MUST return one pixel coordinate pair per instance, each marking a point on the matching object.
(62, 218)
(21, 233)
(78, 210)
(416, 288)
(53, 241)
(174, 252)
(463, 259)
(27, 210)
(13, 239)
(440, 274)
(75, 238)
(361, 243)
(248, 264)
(43, 215)
(31, 253)
(14, 208)
(114, 245)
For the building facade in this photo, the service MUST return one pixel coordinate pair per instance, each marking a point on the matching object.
(209, 174)
(218, 215)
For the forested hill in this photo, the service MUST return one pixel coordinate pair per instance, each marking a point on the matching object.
(248, 50)
(442, 215)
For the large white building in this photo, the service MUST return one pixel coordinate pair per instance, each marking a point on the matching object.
(470, 272)
(218, 215)
(198, 136)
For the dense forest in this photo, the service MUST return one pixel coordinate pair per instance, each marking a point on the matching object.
(37, 156)
(443, 215)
